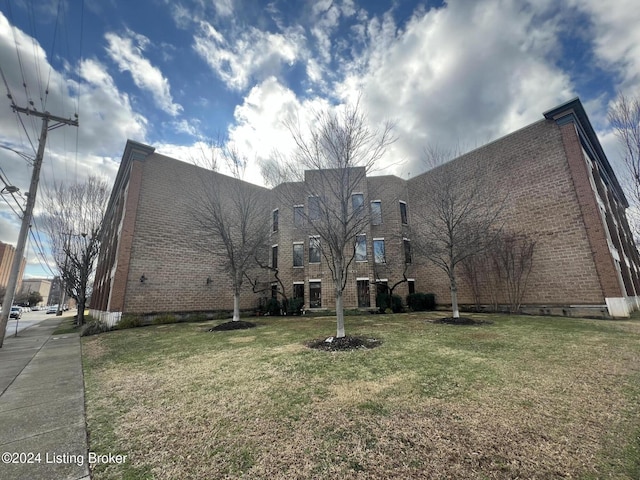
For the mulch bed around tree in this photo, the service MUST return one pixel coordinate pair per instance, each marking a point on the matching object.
(239, 325)
(332, 344)
(462, 321)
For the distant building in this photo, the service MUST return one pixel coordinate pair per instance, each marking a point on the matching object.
(7, 254)
(40, 285)
(563, 194)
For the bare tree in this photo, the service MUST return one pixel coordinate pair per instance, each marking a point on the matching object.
(332, 158)
(73, 223)
(459, 215)
(231, 218)
(624, 117)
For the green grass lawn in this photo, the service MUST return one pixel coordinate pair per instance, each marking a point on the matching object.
(524, 397)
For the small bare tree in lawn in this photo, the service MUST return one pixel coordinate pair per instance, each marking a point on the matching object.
(334, 153)
(231, 218)
(459, 215)
(73, 223)
(624, 117)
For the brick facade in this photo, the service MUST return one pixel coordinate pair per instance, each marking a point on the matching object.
(560, 192)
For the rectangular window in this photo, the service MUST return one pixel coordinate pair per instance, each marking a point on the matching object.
(274, 256)
(403, 212)
(298, 215)
(298, 254)
(357, 203)
(314, 249)
(274, 290)
(364, 300)
(376, 212)
(382, 288)
(407, 250)
(298, 291)
(275, 220)
(315, 294)
(378, 251)
(412, 286)
(314, 208)
(361, 248)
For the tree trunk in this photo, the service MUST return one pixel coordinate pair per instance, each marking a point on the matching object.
(454, 296)
(81, 304)
(236, 307)
(339, 315)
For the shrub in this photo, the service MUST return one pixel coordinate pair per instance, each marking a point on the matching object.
(94, 327)
(164, 319)
(421, 301)
(385, 302)
(273, 307)
(294, 306)
(128, 321)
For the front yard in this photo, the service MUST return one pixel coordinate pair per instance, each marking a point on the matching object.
(524, 397)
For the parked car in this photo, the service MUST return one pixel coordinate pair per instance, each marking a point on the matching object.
(16, 313)
(52, 309)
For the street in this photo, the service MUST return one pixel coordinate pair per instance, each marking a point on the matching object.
(28, 320)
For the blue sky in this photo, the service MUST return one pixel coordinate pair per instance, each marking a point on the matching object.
(175, 74)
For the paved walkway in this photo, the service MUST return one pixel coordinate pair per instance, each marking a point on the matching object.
(42, 419)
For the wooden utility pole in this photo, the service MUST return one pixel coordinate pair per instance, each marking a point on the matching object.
(28, 211)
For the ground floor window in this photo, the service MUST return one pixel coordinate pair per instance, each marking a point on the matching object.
(412, 286)
(382, 289)
(315, 294)
(363, 293)
(298, 290)
(274, 290)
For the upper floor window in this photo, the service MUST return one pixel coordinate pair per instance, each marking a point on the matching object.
(275, 220)
(361, 248)
(314, 208)
(357, 203)
(378, 251)
(298, 254)
(407, 250)
(274, 256)
(376, 212)
(314, 249)
(403, 213)
(298, 215)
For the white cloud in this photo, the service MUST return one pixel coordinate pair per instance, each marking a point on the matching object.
(252, 55)
(126, 51)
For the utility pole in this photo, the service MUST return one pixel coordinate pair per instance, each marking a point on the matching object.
(28, 211)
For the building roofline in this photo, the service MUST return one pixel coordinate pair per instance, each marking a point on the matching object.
(573, 111)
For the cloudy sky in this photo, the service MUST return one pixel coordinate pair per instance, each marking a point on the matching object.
(177, 73)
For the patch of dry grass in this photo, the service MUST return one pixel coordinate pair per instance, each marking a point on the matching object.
(525, 397)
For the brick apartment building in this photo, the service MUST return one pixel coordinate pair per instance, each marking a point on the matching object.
(7, 254)
(561, 189)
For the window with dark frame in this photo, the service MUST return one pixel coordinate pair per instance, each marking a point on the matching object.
(376, 212)
(298, 291)
(314, 249)
(407, 250)
(298, 215)
(274, 256)
(314, 208)
(364, 299)
(378, 251)
(412, 286)
(357, 203)
(361, 248)
(315, 294)
(275, 220)
(298, 254)
(403, 213)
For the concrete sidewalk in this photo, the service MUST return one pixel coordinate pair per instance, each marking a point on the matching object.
(42, 419)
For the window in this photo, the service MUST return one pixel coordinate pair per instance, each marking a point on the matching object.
(412, 285)
(298, 254)
(314, 249)
(314, 208)
(382, 288)
(378, 250)
(376, 212)
(274, 256)
(298, 215)
(361, 248)
(403, 212)
(274, 290)
(357, 203)
(298, 290)
(364, 300)
(275, 220)
(407, 250)
(315, 294)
